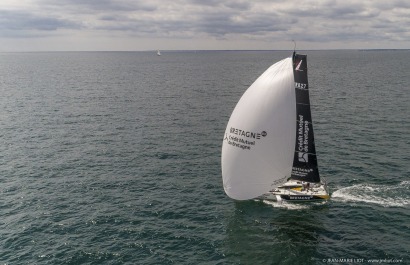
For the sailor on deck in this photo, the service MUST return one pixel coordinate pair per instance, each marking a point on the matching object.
(305, 185)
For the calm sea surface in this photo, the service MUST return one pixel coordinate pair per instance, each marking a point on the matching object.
(114, 158)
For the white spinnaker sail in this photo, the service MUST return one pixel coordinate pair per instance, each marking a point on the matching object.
(259, 141)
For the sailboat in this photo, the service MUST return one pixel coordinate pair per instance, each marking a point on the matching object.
(158, 53)
(268, 151)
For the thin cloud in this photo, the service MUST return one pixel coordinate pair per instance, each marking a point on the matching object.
(101, 5)
(20, 23)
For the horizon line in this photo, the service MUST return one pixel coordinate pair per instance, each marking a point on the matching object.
(218, 50)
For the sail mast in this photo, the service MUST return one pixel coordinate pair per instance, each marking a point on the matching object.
(305, 165)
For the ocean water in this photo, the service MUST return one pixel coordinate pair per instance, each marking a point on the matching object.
(114, 158)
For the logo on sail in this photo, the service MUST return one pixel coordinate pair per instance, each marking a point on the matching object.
(303, 140)
(298, 66)
(303, 157)
(247, 134)
(243, 139)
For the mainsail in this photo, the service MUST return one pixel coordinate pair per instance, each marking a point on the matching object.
(305, 166)
(259, 141)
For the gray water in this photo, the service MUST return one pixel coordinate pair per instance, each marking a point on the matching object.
(114, 158)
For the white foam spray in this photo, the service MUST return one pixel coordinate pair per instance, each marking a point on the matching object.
(384, 195)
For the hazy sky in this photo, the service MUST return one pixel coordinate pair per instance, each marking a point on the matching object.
(61, 25)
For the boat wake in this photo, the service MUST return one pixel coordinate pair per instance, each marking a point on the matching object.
(293, 205)
(384, 195)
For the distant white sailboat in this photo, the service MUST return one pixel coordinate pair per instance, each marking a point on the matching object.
(268, 150)
(158, 53)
